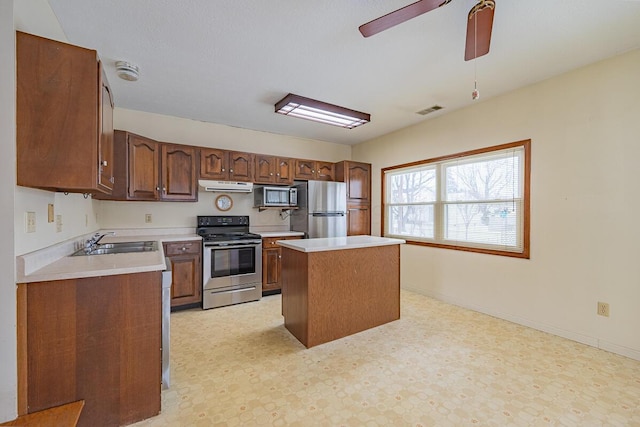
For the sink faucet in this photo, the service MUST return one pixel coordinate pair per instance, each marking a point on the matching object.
(93, 241)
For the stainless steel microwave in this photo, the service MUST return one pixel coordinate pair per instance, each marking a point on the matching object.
(274, 196)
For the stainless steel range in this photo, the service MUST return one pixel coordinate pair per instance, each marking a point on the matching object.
(231, 261)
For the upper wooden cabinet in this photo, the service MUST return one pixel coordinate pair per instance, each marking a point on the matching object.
(226, 165)
(314, 170)
(64, 117)
(357, 177)
(272, 170)
(150, 170)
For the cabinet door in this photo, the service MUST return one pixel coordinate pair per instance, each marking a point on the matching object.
(105, 138)
(240, 166)
(305, 169)
(186, 272)
(214, 164)
(179, 180)
(271, 268)
(284, 171)
(324, 171)
(358, 220)
(358, 181)
(143, 168)
(265, 169)
(57, 115)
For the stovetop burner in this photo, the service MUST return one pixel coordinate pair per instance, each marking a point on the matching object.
(218, 228)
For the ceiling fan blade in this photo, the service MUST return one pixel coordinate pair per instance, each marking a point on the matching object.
(399, 16)
(479, 24)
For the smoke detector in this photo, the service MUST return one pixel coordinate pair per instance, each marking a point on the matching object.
(127, 71)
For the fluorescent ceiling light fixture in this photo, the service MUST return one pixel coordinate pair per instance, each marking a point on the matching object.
(318, 111)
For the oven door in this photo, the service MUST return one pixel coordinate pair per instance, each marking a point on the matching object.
(232, 266)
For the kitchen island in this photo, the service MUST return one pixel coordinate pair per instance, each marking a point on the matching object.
(338, 286)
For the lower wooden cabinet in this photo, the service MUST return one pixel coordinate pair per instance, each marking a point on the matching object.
(186, 272)
(272, 263)
(95, 339)
(358, 219)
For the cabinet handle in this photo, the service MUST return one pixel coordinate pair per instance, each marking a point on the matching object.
(113, 180)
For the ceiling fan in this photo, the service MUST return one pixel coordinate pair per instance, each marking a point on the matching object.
(479, 23)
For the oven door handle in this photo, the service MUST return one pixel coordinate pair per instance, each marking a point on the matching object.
(232, 246)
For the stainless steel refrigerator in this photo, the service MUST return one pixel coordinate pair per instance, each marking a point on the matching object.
(322, 209)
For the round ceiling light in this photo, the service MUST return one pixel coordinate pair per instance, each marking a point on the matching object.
(127, 71)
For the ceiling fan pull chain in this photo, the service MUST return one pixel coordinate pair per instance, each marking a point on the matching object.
(475, 94)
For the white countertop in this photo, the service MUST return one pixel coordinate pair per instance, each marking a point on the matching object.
(62, 267)
(338, 243)
(280, 233)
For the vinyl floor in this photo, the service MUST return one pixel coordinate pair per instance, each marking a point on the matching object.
(439, 365)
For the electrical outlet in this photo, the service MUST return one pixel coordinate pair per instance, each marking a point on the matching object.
(30, 222)
(58, 223)
(147, 218)
(603, 309)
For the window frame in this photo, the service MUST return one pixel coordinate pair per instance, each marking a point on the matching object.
(439, 231)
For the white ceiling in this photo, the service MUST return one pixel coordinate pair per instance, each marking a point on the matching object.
(230, 61)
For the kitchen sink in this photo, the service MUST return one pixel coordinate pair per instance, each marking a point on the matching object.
(119, 248)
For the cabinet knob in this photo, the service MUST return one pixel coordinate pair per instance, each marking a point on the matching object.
(271, 173)
(222, 169)
(231, 170)
(277, 174)
(279, 256)
(104, 163)
(157, 188)
(164, 189)
(184, 249)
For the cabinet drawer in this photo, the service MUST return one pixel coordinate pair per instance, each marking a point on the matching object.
(179, 248)
(270, 242)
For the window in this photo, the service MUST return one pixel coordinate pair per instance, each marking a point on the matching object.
(474, 201)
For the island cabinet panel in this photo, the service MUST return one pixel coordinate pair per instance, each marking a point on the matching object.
(64, 116)
(186, 272)
(335, 293)
(92, 339)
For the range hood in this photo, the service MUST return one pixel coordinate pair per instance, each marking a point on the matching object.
(226, 186)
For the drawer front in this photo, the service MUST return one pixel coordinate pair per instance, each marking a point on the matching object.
(179, 248)
(270, 242)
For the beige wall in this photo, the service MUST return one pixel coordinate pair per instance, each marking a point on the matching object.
(585, 129)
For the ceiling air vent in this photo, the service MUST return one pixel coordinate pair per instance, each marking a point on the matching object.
(429, 110)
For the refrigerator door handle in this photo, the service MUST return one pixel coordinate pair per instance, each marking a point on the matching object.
(329, 214)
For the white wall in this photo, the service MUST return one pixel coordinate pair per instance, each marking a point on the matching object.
(8, 367)
(183, 131)
(585, 129)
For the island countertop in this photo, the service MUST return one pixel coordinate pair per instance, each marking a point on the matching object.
(338, 243)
